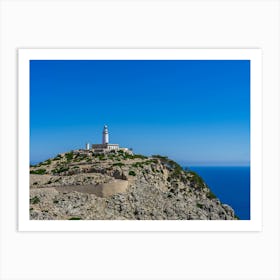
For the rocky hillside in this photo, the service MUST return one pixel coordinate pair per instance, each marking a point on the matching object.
(82, 185)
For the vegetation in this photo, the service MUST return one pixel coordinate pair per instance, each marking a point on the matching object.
(38, 171)
(46, 162)
(69, 156)
(196, 179)
(125, 155)
(137, 164)
(118, 164)
(138, 156)
(58, 157)
(169, 163)
(199, 205)
(210, 195)
(160, 157)
(131, 173)
(100, 156)
(34, 200)
(60, 170)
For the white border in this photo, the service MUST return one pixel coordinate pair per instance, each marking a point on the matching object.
(254, 55)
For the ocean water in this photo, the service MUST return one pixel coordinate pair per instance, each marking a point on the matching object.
(230, 184)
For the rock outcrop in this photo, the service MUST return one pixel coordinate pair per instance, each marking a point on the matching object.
(79, 185)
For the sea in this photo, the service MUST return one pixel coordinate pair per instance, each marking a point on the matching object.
(230, 184)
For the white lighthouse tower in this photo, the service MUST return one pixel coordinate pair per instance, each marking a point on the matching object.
(105, 138)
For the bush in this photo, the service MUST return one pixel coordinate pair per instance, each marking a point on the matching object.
(160, 157)
(137, 164)
(69, 156)
(139, 156)
(38, 171)
(199, 205)
(47, 162)
(118, 164)
(132, 173)
(58, 157)
(34, 200)
(60, 170)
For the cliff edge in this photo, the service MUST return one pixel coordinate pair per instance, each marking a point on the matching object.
(118, 186)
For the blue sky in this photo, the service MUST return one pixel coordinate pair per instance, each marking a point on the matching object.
(197, 112)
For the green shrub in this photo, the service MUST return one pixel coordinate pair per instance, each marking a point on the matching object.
(100, 156)
(137, 164)
(60, 170)
(160, 157)
(34, 200)
(46, 162)
(139, 156)
(132, 173)
(199, 205)
(118, 164)
(38, 171)
(69, 156)
(58, 157)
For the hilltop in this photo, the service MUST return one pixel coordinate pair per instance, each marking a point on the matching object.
(118, 185)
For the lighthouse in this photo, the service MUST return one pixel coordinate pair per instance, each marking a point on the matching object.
(105, 138)
(105, 147)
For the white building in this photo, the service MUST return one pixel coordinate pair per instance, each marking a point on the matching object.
(106, 146)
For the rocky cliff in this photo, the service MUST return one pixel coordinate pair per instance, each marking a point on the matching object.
(83, 185)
